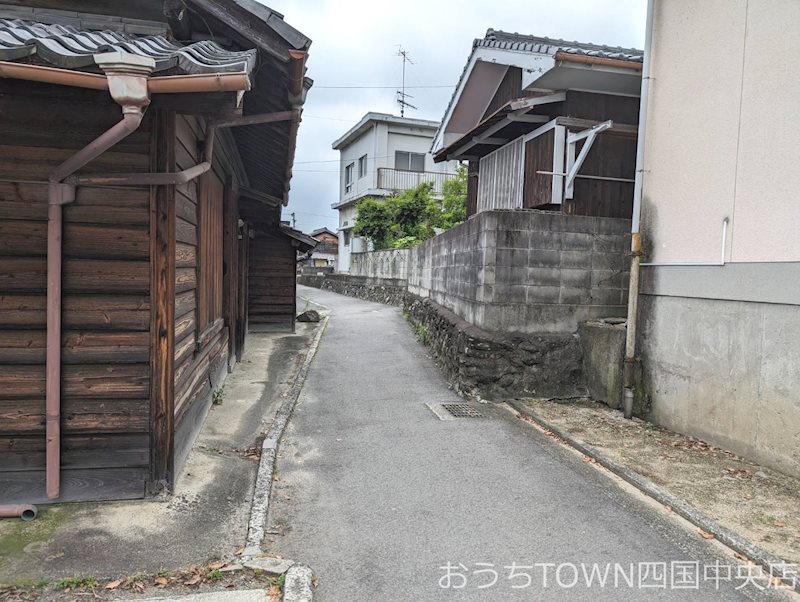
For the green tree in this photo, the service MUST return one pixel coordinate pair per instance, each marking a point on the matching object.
(374, 221)
(454, 199)
(409, 217)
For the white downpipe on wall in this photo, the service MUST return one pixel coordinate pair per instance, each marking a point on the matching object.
(628, 369)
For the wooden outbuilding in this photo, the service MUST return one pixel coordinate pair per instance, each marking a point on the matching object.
(145, 155)
(545, 124)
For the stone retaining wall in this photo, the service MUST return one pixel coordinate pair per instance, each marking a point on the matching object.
(379, 290)
(476, 362)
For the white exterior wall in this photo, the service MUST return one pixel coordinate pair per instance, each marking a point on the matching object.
(379, 142)
(722, 131)
(416, 141)
(367, 144)
(347, 217)
(718, 343)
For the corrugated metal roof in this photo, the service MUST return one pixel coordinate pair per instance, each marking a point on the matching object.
(68, 48)
(540, 45)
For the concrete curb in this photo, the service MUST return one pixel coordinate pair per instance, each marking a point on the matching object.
(298, 586)
(269, 449)
(682, 508)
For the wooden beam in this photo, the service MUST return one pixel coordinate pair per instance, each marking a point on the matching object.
(230, 242)
(622, 129)
(162, 309)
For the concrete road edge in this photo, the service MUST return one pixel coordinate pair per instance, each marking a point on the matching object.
(269, 450)
(733, 540)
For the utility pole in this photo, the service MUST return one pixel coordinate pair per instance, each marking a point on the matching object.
(294, 221)
(401, 94)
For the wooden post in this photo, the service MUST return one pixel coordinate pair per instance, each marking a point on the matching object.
(230, 270)
(244, 288)
(162, 307)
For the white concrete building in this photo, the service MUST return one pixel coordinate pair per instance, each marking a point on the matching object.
(380, 154)
(719, 308)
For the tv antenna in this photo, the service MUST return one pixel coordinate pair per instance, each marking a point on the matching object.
(402, 97)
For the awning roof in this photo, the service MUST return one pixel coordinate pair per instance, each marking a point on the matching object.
(304, 242)
(68, 48)
(512, 120)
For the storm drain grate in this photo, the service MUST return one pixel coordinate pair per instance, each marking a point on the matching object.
(451, 411)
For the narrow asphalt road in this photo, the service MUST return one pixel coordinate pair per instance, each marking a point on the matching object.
(377, 494)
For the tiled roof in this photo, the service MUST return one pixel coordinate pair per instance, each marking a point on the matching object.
(515, 41)
(68, 48)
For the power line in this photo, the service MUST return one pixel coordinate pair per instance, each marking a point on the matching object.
(330, 118)
(337, 160)
(377, 87)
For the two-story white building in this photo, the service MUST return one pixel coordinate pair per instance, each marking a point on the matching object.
(381, 154)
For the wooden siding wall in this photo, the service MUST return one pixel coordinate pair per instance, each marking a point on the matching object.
(106, 306)
(600, 107)
(199, 368)
(273, 281)
(472, 187)
(500, 178)
(509, 89)
(610, 156)
(538, 188)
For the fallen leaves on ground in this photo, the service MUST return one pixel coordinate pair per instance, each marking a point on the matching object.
(160, 581)
(739, 472)
(705, 534)
(274, 592)
(689, 444)
(113, 584)
(194, 580)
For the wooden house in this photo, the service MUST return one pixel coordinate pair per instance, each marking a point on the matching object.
(145, 155)
(545, 124)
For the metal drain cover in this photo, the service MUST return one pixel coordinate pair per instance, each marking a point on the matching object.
(452, 411)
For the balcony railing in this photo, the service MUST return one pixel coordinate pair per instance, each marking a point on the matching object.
(398, 179)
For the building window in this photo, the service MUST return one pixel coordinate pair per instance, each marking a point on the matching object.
(362, 167)
(409, 161)
(348, 178)
(346, 238)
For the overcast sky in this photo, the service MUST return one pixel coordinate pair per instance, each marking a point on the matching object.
(355, 43)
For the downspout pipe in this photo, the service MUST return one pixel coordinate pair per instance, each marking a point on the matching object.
(629, 365)
(186, 175)
(127, 81)
(23, 511)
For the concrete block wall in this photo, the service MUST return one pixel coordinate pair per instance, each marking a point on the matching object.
(526, 271)
(390, 263)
